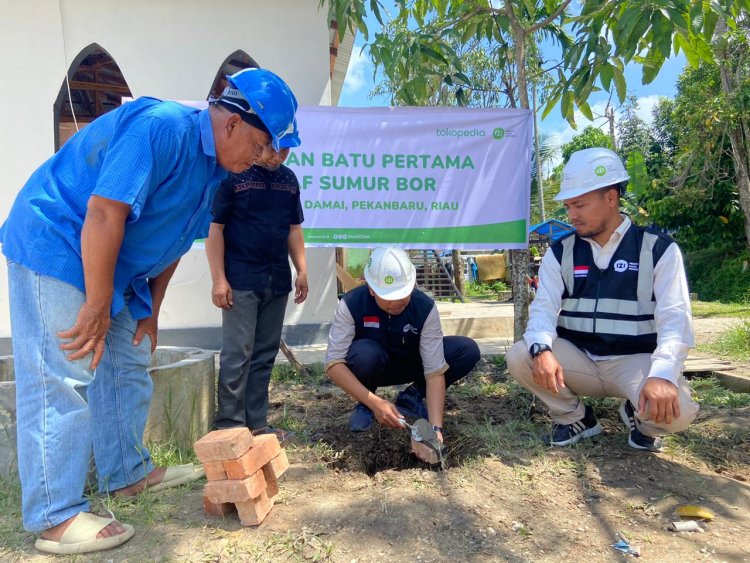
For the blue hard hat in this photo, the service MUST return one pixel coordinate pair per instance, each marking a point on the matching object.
(291, 140)
(270, 99)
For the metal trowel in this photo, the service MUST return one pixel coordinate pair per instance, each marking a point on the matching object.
(425, 440)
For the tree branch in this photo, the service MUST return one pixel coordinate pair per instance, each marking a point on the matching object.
(545, 21)
(489, 10)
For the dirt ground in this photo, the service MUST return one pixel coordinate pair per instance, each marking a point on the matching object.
(503, 496)
(709, 329)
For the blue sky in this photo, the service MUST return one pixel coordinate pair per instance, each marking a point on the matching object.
(359, 83)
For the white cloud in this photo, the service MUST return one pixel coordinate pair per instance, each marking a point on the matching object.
(646, 104)
(565, 132)
(356, 74)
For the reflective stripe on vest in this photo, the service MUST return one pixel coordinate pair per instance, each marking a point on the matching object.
(646, 268)
(588, 307)
(607, 326)
(614, 306)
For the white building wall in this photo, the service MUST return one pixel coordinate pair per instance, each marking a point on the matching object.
(170, 49)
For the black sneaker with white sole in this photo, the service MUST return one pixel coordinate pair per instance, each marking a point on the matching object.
(569, 434)
(636, 439)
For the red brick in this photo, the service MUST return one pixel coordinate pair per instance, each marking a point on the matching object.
(235, 490)
(272, 488)
(277, 466)
(272, 471)
(219, 445)
(253, 512)
(215, 470)
(265, 448)
(217, 508)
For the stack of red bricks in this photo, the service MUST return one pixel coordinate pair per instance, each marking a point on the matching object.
(242, 472)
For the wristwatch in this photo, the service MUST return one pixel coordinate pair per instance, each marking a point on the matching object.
(537, 349)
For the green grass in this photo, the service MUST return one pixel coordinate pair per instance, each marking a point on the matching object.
(164, 454)
(12, 534)
(517, 398)
(719, 446)
(499, 361)
(734, 343)
(145, 509)
(485, 289)
(286, 374)
(709, 392)
(292, 424)
(500, 439)
(605, 407)
(717, 309)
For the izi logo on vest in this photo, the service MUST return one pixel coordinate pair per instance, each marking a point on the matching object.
(621, 265)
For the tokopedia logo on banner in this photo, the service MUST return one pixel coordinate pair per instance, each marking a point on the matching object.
(459, 132)
(497, 133)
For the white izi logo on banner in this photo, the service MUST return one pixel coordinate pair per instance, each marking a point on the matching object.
(621, 265)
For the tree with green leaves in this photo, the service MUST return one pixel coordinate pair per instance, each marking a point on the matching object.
(590, 137)
(713, 33)
(636, 147)
(694, 193)
(423, 33)
(594, 44)
(732, 56)
(634, 135)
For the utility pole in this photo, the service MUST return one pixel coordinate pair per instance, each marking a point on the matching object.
(609, 113)
(539, 184)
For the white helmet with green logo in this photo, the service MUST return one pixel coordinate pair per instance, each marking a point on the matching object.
(390, 273)
(591, 169)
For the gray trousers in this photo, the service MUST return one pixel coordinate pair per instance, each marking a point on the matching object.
(251, 334)
(622, 377)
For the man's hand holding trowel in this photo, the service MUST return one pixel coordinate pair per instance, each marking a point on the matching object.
(427, 441)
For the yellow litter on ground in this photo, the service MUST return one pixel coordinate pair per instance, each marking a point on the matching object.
(695, 511)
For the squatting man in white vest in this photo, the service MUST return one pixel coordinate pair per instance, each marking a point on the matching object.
(611, 317)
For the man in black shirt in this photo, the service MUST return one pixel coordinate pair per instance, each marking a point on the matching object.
(257, 225)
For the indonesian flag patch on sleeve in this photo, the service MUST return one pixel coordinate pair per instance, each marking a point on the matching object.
(371, 322)
(580, 271)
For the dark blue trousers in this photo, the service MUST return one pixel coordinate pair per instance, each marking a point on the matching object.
(374, 367)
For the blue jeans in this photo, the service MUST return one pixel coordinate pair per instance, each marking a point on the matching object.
(63, 408)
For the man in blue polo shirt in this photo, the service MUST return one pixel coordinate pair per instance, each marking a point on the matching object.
(256, 228)
(92, 241)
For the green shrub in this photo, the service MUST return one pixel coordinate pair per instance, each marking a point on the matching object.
(480, 288)
(716, 276)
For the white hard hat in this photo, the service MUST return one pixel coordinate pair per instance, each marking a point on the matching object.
(590, 169)
(390, 273)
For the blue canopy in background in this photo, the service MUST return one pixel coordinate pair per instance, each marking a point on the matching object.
(552, 229)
